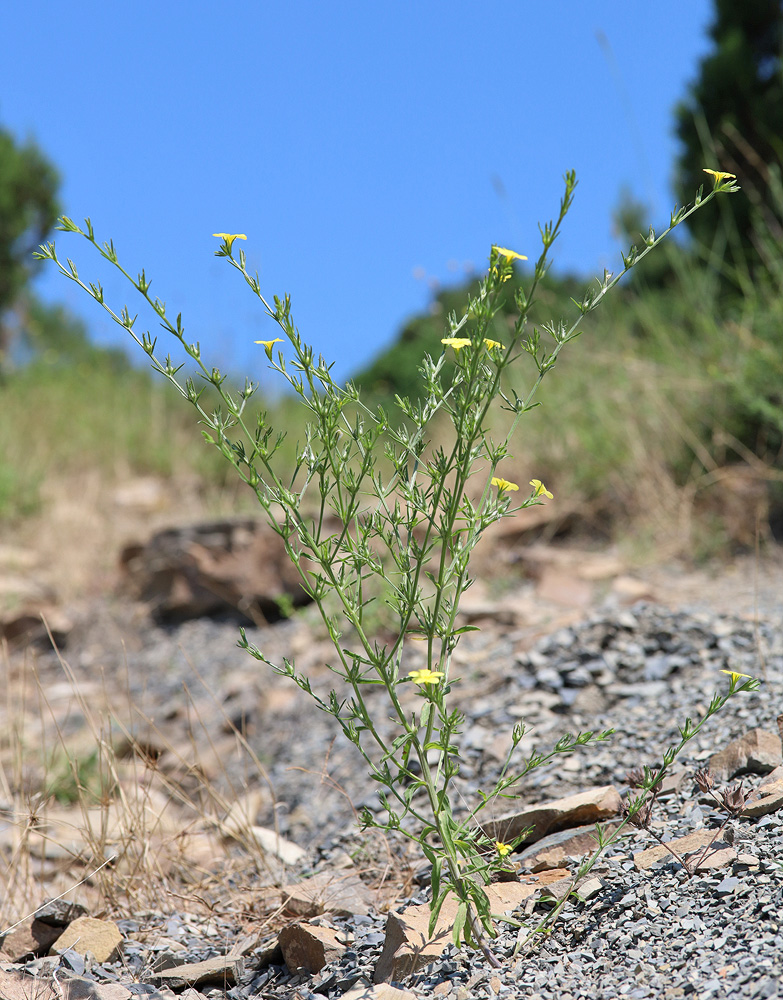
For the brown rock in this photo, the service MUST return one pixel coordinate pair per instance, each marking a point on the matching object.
(562, 586)
(381, 991)
(326, 892)
(78, 988)
(585, 565)
(205, 569)
(630, 590)
(592, 806)
(17, 986)
(31, 626)
(222, 969)
(757, 752)
(768, 797)
(552, 851)
(408, 944)
(101, 938)
(719, 855)
(272, 843)
(31, 937)
(306, 946)
(672, 784)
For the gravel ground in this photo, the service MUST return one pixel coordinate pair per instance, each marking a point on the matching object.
(640, 671)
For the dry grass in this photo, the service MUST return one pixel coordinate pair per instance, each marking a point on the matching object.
(98, 804)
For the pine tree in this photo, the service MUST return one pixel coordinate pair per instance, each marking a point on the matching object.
(732, 120)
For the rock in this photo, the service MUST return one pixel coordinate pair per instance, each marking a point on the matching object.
(757, 752)
(16, 985)
(562, 586)
(719, 854)
(222, 969)
(717, 857)
(381, 991)
(585, 565)
(31, 937)
(768, 797)
(408, 945)
(271, 843)
(553, 850)
(309, 947)
(101, 938)
(241, 815)
(672, 784)
(326, 892)
(59, 912)
(590, 887)
(78, 988)
(629, 590)
(228, 566)
(32, 625)
(592, 806)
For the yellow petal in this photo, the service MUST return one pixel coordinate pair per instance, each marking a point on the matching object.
(736, 675)
(503, 484)
(269, 343)
(718, 176)
(509, 254)
(492, 343)
(230, 237)
(426, 676)
(456, 342)
(540, 489)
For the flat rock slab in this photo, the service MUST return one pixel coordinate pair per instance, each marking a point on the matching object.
(592, 806)
(78, 988)
(755, 752)
(719, 855)
(102, 938)
(381, 991)
(327, 892)
(551, 851)
(17, 986)
(272, 843)
(408, 944)
(31, 937)
(309, 947)
(768, 797)
(223, 970)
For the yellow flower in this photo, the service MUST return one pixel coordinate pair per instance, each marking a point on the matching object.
(492, 343)
(718, 176)
(426, 676)
(230, 237)
(541, 490)
(736, 675)
(502, 849)
(509, 254)
(456, 342)
(503, 484)
(269, 343)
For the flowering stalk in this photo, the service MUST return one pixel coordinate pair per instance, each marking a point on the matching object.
(406, 525)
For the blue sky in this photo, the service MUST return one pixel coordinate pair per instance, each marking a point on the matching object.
(367, 150)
